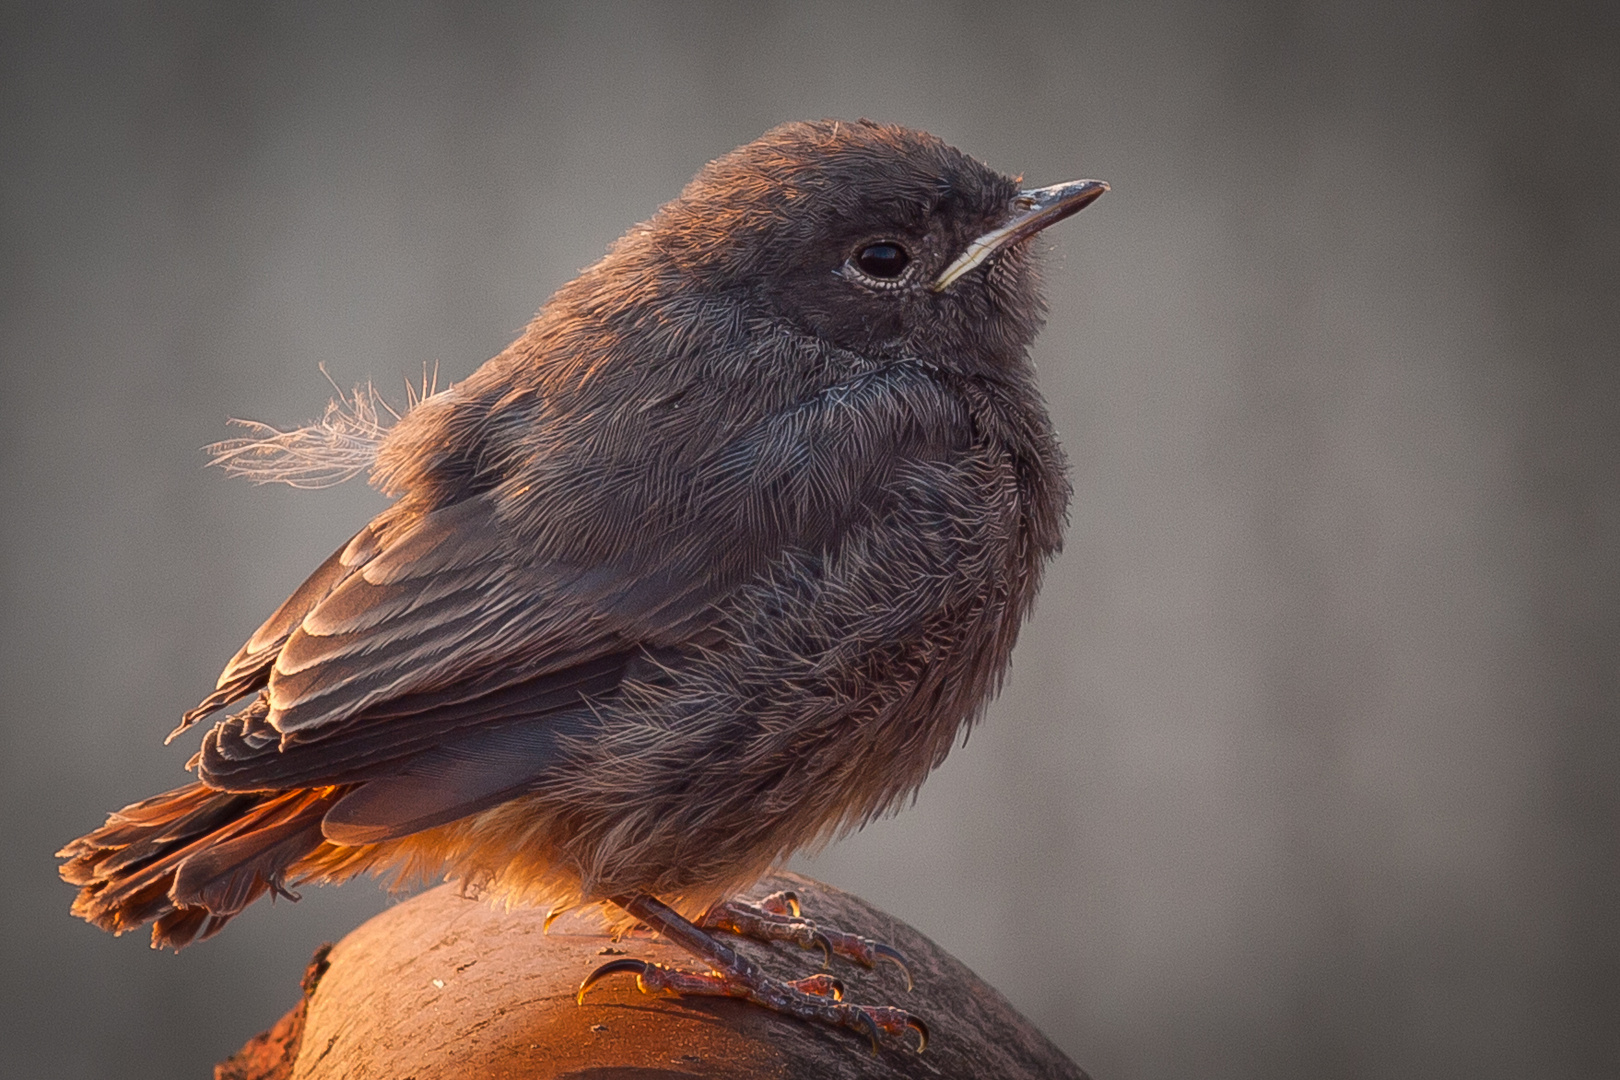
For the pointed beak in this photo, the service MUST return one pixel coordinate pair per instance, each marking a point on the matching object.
(1033, 211)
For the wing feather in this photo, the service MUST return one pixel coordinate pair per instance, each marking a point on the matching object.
(449, 597)
(473, 773)
(249, 669)
(378, 743)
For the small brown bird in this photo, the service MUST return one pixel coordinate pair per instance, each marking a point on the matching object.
(713, 563)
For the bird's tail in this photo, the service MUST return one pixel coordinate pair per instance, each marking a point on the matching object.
(190, 859)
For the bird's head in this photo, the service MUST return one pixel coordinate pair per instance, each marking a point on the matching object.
(882, 240)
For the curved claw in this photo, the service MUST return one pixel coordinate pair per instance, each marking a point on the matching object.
(894, 956)
(818, 938)
(870, 1026)
(921, 1030)
(612, 967)
(552, 916)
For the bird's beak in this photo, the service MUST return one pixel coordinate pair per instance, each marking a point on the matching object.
(1033, 211)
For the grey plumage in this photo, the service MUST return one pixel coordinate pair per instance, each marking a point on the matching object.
(716, 560)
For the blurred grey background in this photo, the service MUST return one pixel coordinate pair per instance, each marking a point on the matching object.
(1308, 764)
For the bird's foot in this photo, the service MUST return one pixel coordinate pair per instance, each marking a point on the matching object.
(818, 998)
(778, 917)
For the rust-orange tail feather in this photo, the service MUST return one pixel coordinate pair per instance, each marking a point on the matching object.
(190, 859)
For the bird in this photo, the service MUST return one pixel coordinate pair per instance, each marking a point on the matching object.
(712, 564)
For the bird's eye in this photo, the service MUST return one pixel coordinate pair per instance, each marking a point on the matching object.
(885, 261)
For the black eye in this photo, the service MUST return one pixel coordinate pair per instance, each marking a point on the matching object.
(885, 260)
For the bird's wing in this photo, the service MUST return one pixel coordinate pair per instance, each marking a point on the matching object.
(249, 669)
(439, 627)
(451, 600)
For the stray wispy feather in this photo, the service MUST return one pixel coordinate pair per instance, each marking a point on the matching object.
(323, 453)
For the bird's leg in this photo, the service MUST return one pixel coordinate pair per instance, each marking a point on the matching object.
(777, 917)
(818, 998)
